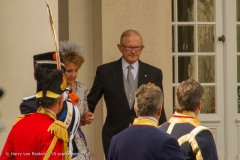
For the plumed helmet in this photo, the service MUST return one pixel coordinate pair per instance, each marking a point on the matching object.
(45, 60)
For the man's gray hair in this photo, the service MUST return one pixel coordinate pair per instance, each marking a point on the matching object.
(148, 99)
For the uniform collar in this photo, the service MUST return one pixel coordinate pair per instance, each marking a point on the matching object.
(185, 117)
(144, 121)
(47, 112)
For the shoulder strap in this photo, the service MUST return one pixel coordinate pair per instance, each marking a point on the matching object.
(193, 141)
(69, 115)
(74, 129)
(198, 129)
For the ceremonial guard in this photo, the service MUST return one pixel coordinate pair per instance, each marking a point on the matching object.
(195, 140)
(40, 135)
(69, 114)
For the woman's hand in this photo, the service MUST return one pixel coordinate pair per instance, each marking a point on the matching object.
(87, 118)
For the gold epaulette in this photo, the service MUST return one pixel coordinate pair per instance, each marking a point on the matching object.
(20, 117)
(59, 129)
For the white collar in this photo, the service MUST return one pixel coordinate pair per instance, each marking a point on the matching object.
(125, 64)
(149, 117)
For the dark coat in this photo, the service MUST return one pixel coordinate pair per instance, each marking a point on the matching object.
(144, 143)
(109, 82)
(196, 141)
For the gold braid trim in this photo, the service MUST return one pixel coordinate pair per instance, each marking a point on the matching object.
(181, 118)
(191, 138)
(145, 122)
(46, 112)
(50, 148)
(59, 129)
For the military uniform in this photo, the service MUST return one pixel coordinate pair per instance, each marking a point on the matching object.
(40, 135)
(69, 114)
(196, 141)
(28, 142)
(144, 141)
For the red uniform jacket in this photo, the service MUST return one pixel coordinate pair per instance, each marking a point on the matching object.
(29, 139)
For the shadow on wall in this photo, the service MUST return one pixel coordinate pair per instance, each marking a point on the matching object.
(1, 95)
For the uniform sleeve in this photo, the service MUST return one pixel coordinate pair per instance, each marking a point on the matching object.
(96, 91)
(207, 145)
(171, 150)
(7, 149)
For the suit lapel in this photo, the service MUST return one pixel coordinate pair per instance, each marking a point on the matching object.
(143, 77)
(117, 75)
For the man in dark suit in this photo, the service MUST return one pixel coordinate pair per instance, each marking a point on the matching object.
(143, 140)
(118, 86)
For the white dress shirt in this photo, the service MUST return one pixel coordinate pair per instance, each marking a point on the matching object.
(134, 70)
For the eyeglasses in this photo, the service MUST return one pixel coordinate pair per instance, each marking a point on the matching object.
(129, 48)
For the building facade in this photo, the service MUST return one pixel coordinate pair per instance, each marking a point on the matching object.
(185, 38)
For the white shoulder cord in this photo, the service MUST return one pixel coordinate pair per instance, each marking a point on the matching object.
(75, 125)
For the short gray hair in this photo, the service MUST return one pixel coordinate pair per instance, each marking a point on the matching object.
(148, 99)
(129, 33)
(188, 95)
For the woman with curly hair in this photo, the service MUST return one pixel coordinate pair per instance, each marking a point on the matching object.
(72, 56)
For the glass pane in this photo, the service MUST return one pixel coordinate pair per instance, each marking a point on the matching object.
(238, 10)
(173, 44)
(185, 39)
(238, 69)
(208, 100)
(206, 38)
(238, 38)
(173, 69)
(206, 69)
(185, 11)
(238, 92)
(205, 10)
(186, 68)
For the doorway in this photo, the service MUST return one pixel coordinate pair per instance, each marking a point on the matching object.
(198, 53)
